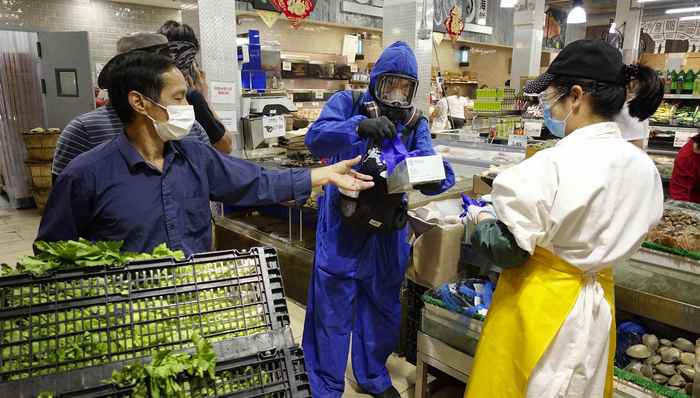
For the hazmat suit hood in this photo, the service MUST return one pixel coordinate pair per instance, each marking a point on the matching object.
(396, 59)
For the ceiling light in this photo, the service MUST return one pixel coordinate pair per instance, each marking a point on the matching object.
(690, 18)
(577, 14)
(646, 1)
(508, 3)
(682, 10)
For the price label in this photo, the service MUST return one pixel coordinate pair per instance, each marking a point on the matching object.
(314, 104)
(318, 95)
(353, 68)
(286, 66)
(682, 137)
(517, 140)
(533, 129)
(273, 126)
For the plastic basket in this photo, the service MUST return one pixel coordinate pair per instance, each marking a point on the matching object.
(76, 319)
(267, 364)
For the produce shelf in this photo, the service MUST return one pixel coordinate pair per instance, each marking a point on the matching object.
(681, 96)
(673, 128)
(267, 364)
(76, 319)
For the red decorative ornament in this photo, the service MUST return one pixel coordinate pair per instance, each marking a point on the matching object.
(295, 10)
(454, 23)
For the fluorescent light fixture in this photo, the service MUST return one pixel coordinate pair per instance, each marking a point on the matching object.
(508, 3)
(689, 18)
(647, 1)
(682, 10)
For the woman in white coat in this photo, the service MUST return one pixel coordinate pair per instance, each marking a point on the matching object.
(642, 101)
(558, 222)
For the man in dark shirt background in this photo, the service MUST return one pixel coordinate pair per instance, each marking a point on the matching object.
(146, 187)
(184, 47)
(101, 125)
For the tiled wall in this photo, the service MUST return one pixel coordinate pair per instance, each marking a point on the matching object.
(105, 21)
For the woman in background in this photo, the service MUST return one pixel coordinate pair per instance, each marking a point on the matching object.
(642, 102)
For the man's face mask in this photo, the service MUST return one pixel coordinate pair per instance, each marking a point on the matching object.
(180, 121)
(394, 90)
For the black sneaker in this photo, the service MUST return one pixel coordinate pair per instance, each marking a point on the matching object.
(389, 393)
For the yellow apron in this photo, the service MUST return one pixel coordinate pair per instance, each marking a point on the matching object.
(529, 307)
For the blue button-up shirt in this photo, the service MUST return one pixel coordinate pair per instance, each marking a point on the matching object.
(112, 193)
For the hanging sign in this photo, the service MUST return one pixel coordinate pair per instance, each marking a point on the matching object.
(295, 10)
(454, 23)
(268, 17)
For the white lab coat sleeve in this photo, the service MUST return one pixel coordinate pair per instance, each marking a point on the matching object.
(523, 197)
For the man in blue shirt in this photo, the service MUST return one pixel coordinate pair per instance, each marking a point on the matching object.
(147, 186)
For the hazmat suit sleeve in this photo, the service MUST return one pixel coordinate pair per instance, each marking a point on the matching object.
(335, 131)
(423, 144)
(523, 197)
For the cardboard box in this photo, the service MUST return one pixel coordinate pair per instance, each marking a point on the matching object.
(416, 170)
(480, 187)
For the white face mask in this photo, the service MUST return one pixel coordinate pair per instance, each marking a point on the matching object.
(179, 123)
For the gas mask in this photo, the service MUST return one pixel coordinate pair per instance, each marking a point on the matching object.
(395, 90)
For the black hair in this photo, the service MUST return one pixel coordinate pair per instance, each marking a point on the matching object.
(136, 71)
(649, 91)
(176, 31)
(607, 99)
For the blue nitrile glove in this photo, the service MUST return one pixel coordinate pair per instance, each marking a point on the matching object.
(451, 301)
(467, 201)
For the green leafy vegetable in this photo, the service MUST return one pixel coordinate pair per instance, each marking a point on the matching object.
(81, 253)
(160, 376)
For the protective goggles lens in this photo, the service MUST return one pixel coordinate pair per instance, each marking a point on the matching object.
(395, 90)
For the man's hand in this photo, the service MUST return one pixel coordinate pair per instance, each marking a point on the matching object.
(376, 129)
(342, 175)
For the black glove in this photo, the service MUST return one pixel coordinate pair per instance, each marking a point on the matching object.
(377, 129)
(428, 187)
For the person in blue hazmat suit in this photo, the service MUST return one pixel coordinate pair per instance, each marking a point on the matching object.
(357, 276)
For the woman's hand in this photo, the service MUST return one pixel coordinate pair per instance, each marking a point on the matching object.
(342, 175)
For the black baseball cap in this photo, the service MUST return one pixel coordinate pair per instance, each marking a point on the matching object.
(583, 59)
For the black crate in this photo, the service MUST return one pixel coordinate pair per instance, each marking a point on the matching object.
(76, 319)
(412, 293)
(267, 364)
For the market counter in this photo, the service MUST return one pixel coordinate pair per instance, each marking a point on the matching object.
(295, 251)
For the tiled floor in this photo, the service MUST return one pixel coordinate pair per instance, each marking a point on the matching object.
(18, 229)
